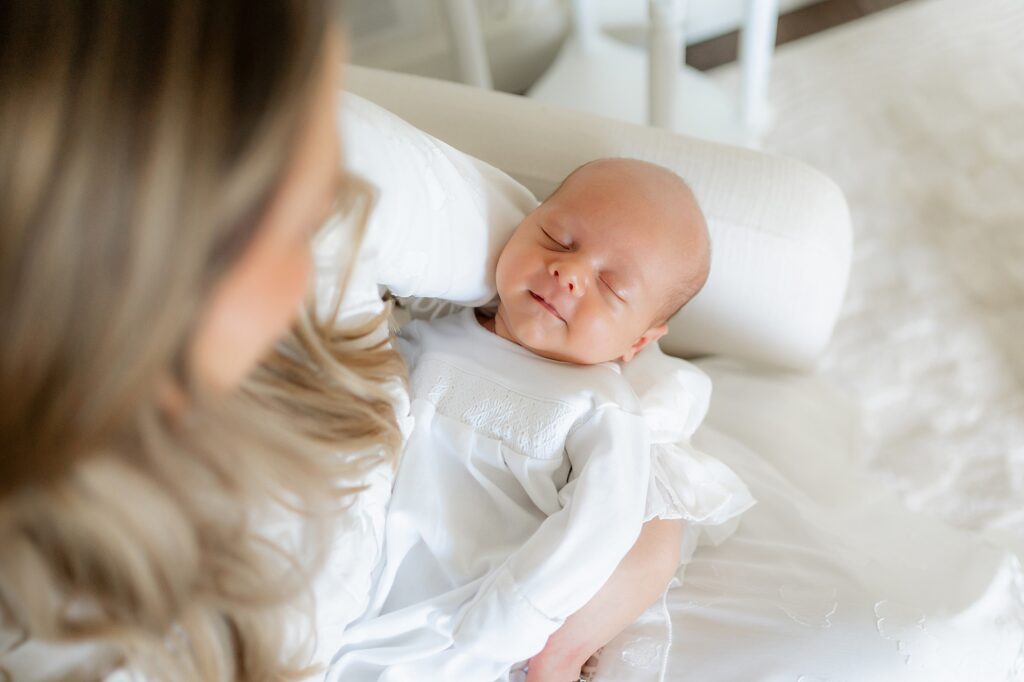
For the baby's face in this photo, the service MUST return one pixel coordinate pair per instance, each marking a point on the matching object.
(586, 274)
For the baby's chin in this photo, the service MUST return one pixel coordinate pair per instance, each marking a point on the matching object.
(539, 341)
(531, 335)
(539, 335)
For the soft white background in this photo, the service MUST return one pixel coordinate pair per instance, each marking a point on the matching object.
(918, 113)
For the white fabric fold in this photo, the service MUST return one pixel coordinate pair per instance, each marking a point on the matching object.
(685, 483)
(695, 487)
(674, 394)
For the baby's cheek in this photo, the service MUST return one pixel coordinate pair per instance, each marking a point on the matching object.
(610, 338)
(505, 273)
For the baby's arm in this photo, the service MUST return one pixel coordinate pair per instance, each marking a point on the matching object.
(639, 579)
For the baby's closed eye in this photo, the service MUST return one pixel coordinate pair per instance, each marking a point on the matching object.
(610, 288)
(564, 244)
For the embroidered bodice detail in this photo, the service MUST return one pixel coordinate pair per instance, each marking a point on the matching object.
(530, 426)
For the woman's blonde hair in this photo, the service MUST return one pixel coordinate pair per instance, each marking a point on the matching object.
(139, 144)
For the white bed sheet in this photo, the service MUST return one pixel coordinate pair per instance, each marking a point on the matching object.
(830, 576)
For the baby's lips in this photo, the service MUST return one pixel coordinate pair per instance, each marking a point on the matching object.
(547, 304)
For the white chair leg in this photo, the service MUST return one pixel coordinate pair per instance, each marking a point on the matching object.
(468, 42)
(665, 59)
(585, 26)
(757, 44)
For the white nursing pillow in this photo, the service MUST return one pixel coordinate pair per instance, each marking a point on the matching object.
(780, 229)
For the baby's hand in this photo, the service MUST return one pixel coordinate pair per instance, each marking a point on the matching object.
(556, 664)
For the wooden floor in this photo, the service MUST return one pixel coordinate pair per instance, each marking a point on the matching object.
(792, 25)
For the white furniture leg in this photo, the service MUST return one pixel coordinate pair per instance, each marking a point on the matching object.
(468, 43)
(598, 74)
(584, 23)
(665, 59)
(757, 44)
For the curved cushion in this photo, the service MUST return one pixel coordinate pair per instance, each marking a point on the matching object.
(780, 229)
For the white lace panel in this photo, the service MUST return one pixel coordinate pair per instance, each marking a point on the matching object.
(533, 427)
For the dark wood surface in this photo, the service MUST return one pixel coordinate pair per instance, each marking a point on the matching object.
(792, 26)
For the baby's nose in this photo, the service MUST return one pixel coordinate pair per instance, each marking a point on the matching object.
(569, 277)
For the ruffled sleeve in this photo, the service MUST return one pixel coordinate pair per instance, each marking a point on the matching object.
(685, 483)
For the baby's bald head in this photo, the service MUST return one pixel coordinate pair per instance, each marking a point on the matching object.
(595, 271)
(673, 211)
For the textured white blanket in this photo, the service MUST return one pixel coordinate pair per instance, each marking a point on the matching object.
(918, 113)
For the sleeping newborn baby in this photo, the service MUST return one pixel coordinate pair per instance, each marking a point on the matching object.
(525, 478)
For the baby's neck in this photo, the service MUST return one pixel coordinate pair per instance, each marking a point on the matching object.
(485, 321)
(495, 325)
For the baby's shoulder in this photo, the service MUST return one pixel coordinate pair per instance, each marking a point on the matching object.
(606, 387)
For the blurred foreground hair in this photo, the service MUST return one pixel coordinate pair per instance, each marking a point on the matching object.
(139, 144)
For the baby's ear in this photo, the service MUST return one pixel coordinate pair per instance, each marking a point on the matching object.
(649, 336)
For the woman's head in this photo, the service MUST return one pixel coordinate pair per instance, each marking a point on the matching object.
(162, 168)
(144, 148)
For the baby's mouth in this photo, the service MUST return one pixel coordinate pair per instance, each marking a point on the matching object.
(550, 308)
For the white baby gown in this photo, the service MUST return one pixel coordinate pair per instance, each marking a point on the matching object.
(523, 484)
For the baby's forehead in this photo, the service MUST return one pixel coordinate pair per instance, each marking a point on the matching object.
(628, 206)
(628, 173)
(629, 196)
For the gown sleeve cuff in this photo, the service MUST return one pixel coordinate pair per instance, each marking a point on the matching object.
(501, 622)
(702, 491)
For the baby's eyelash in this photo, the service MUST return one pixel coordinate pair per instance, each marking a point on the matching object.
(546, 234)
(612, 290)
